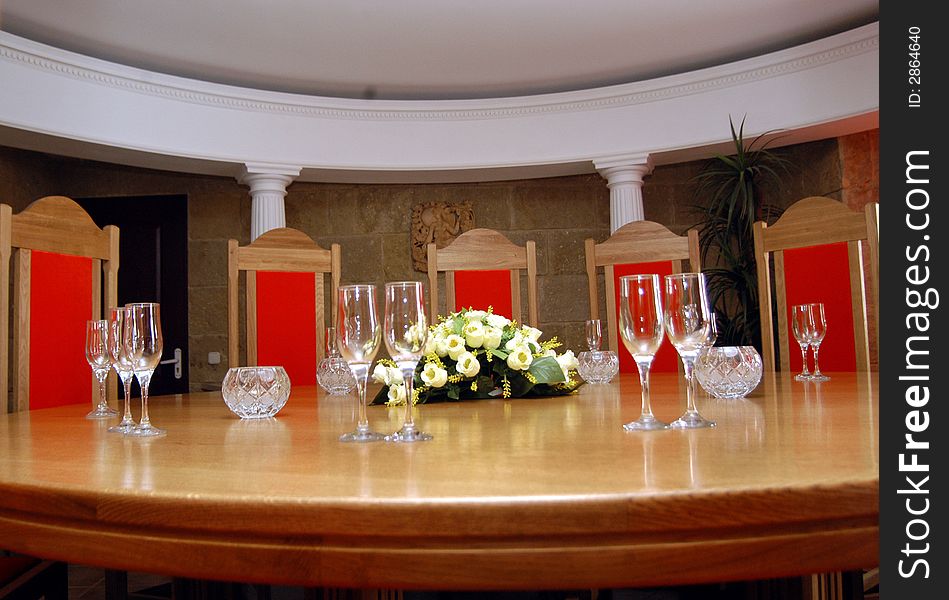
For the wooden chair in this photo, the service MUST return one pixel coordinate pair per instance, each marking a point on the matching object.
(474, 265)
(62, 258)
(812, 224)
(62, 264)
(285, 301)
(637, 247)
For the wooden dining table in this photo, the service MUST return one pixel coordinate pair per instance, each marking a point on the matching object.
(530, 493)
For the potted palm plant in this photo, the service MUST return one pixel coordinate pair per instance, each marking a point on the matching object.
(730, 193)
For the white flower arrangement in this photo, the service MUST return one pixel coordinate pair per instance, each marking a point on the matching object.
(478, 354)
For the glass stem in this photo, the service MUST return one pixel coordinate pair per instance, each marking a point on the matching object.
(102, 401)
(688, 365)
(127, 384)
(817, 372)
(143, 380)
(408, 374)
(804, 370)
(361, 375)
(644, 367)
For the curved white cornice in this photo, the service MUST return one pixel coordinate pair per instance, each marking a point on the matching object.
(73, 96)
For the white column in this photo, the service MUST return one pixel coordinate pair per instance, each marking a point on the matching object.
(624, 177)
(268, 187)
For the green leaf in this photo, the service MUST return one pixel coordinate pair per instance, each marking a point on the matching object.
(546, 369)
(458, 325)
(498, 353)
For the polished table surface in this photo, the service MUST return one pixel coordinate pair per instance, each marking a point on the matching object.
(524, 493)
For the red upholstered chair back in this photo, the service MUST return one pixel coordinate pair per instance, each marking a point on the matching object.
(481, 289)
(637, 247)
(61, 261)
(482, 268)
(822, 252)
(285, 301)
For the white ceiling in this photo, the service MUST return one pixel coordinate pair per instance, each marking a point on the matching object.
(428, 49)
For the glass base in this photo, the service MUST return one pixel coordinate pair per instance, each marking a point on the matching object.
(145, 431)
(102, 412)
(645, 423)
(818, 377)
(122, 427)
(361, 437)
(691, 420)
(408, 436)
(802, 377)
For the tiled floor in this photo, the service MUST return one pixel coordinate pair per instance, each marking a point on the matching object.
(88, 583)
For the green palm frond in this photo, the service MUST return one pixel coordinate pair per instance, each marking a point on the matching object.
(729, 198)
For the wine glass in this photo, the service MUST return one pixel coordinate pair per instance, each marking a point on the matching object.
(405, 335)
(97, 355)
(145, 344)
(799, 326)
(687, 325)
(816, 330)
(122, 363)
(594, 331)
(358, 336)
(640, 316)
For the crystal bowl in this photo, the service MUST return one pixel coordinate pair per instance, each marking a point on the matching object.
(256, 392)
(334, 375)
(598, 366)
(729, 371)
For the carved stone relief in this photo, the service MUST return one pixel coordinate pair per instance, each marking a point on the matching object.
(439, 222)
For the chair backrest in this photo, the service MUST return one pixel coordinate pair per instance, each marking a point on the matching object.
(65, 273)
(635, 248)
(484, 250)
(285, 301)
(832, 234)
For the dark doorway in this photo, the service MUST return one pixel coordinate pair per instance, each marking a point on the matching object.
(153, 267)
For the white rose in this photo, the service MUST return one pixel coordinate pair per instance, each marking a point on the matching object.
(567, 362)
(475, 315)
(468, 364)
(492, 337)
(434, 376)
(520, 358)
(416, 334)
(386, 375)
(474, 334)
(499, 321)
(514, 342)
(455, 345)
(551, 352)
(531, 333)
(396, 394)
(431, 345)
(440, 338)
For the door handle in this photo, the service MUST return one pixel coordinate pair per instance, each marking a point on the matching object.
(174, 361)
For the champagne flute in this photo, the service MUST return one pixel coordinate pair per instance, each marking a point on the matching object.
(358, 336)
(97, 355)
(799, 326)
(816, 330)
(405, 335)
(640, 312)
(146, 343)
(122, 363)
(594, 331)
(687, 325)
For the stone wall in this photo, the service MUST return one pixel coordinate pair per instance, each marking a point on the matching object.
(372, 224)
